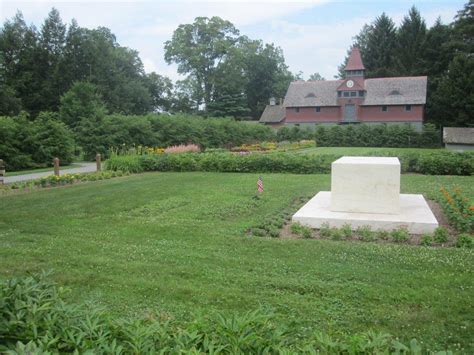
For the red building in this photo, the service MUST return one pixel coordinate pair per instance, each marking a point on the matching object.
(352, 100)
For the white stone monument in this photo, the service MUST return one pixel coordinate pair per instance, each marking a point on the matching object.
(365, 191)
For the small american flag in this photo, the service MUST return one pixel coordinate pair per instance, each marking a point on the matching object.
(260, 184)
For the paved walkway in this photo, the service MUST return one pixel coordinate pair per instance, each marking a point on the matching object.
(84, 168)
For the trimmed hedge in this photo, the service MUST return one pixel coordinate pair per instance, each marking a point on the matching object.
(443, 163)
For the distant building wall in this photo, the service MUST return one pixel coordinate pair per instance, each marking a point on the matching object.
(459, 147)
(393, 113)
(309, 115)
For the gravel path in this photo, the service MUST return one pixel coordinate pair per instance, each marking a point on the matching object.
(84, 168)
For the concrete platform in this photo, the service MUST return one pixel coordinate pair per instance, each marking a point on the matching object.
(415, 215)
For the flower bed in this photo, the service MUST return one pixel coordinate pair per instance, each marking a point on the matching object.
(458, 210)
(59, 180)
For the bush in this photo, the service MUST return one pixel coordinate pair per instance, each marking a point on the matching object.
(36, 319)
(371, 136)
(277, 162)
(325, 230)
(465, 241)
(426, 240)
(400, 235)
(336, 234)
(346, 230)
(440, 235)
(366, 234)
(29, 144)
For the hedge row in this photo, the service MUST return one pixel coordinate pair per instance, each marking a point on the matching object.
(364, 135)
(443, 163)
(36, 319)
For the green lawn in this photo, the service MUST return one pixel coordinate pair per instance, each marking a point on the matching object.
(175, 242)
(40, 170)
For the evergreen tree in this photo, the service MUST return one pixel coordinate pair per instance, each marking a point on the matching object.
(380, 48)
(453, 101)
(411, 39)
(51, 41)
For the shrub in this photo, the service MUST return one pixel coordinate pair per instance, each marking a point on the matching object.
(383, 234)
(465, 241)
(400, 235)
(276, 162)
(366, 234)
(336, 234)
(28, 144)
(325, 230)
(306, 232)
(372, 136)
(128, 163)
(426, 240)
(440, 235)
(346, 231)
(296, 228)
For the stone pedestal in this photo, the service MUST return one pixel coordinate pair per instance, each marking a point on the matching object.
(365, 184)
(366, 192)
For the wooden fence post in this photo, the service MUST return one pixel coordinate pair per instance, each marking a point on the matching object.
(98, 162)
(2, 172)
(56, 166)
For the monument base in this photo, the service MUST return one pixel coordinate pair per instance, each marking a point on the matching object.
(415, 215)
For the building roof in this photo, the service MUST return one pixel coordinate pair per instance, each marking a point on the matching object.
(396, 91)
(312, 93)
(355, 60)
(273, 114)
(458, 135)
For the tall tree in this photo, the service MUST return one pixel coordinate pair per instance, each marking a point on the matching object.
(199, 47)
(380, 50)
(19, 66)
(52, 41)
(453, 101)
(411, 40)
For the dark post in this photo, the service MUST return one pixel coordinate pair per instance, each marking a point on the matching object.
(2, 171)
(98, 162)
(56, 166)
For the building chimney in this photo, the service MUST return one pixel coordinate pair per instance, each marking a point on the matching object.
(272, 101)
(281, 101)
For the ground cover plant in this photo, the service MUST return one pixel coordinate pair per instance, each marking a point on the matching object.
(36, 318)
(180, 249)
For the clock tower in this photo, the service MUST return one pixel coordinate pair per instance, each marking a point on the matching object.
(351, 92)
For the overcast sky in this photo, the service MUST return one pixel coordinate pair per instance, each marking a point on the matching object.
(313, 34)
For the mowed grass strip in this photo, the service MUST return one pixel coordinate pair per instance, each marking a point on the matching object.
(175, 243)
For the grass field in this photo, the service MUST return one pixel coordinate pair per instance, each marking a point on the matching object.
(175, 242)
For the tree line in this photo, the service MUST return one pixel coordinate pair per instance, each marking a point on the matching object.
(226, 73)
(443, 52)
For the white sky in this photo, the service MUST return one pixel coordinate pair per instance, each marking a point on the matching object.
(314, 34)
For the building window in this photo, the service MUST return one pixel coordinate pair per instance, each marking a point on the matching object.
(339, 94)
(361, 93)
(318, 109)
(297, 109)
(384, 108)
(353, 93)
(408, 108)
(346, 93)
